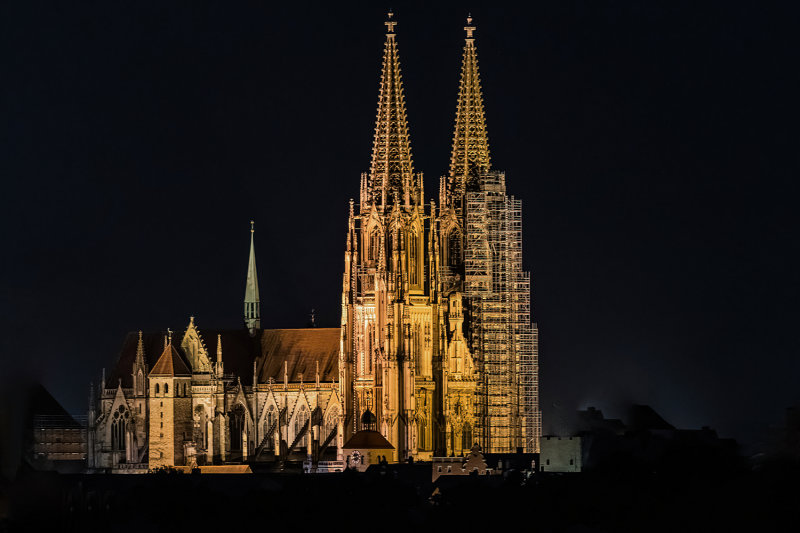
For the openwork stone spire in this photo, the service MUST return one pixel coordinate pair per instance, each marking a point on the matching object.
(470, 156)
(392, 168)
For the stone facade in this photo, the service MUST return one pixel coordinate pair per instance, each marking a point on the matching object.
(435, 348)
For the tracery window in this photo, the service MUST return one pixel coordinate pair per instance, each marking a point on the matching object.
(300, 421)
(269, 420)
(466, 437)
(413, 267)
(421, 434)
(331, 423)
(374, 244)
(119, 424)
(454, 248)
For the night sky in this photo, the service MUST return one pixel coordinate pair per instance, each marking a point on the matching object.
(654, 146)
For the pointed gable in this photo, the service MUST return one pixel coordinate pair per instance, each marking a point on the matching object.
(170, 364)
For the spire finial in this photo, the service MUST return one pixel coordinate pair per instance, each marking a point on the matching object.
(469, 28)
(252, 226)
(390, 24)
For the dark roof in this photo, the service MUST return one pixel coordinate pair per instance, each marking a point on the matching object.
(644, 418)
(44, 409)
(369, 440)
(300, 348)
(170, 364)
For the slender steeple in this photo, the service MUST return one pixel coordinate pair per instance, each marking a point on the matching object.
(392, 168)
(470, 156)
(252, 304)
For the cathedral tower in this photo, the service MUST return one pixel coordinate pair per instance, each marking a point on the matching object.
(480, 236)
(171, 425)
(389, 330)
(252, 304)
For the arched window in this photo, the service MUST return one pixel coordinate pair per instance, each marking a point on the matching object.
(466, 437)
(156, 388)
(374, 244)
(140, 383)
(300, 422)
(454, 248)
(119, 423)
(166, 388)
(413, 249)
(236, 428)
(421, 434)
(269, 421)
(331, 423)
(417, 344)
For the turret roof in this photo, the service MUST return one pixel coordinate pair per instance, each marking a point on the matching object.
(170, 363)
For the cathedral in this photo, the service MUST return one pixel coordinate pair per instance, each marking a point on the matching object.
(436, 350)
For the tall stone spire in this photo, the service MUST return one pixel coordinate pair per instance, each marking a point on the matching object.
(252, 304)
(470, 156)
(392, 168)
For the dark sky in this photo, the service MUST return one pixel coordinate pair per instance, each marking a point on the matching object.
(654, 146)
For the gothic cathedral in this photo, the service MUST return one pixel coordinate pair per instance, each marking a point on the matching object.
(436, 350)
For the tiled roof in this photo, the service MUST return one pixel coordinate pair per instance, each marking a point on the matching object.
(300, 348)
(170, 364)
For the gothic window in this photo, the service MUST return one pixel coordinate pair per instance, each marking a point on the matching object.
(156, 388)
(413, 267)
(417, 340)
(421, 436)
(370, 345)
(237, 426)
(454, 248)
(140, 383)
(374, 244)
(331, 423)
(118, 425)
(166, 388)
(269, 420)
(299, 422)
(466, 437)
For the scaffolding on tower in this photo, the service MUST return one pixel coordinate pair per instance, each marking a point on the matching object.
(503, 339)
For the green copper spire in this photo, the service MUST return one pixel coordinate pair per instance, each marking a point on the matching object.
(252, 304)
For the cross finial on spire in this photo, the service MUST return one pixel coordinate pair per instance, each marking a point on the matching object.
(390, 24)
(469, 28)
(169, 335)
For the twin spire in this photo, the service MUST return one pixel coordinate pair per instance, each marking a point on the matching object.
(470, 155)
(392, 168)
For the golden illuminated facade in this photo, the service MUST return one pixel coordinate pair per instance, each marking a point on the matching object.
(438, 351)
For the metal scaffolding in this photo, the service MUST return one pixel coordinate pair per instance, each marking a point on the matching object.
(502, 337)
